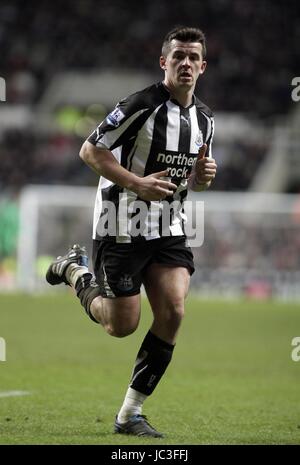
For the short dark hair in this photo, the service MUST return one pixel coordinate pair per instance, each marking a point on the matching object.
(184, 34)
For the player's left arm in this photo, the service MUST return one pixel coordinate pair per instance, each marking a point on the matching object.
(204, 171)
(205, 168)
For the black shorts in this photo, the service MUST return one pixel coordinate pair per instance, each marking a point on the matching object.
(119, 268)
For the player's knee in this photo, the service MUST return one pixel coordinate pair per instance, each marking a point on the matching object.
(119, 332)
(121, 329)
(176, 307)
(174, 313)
(176, 316)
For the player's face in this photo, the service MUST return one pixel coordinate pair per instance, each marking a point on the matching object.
(183, 64)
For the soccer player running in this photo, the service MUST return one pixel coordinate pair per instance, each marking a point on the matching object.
(153, 147)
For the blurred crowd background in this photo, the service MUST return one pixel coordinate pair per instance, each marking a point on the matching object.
(253, 46)
(253, 55)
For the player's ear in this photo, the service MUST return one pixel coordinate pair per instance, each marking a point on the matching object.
(203, 67)
(162, 62)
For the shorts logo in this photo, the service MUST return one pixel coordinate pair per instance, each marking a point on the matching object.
(115, 117)
(199, 139)
(125, 283)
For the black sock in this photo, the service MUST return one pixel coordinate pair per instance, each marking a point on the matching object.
(152, 360)
(87, 289)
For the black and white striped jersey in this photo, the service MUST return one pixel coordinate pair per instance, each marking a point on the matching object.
(149, 132)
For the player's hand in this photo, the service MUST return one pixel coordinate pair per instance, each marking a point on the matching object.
(152, 187)
(205, 168)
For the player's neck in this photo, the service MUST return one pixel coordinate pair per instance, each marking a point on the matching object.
(183, 96)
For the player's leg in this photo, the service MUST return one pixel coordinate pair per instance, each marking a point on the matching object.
(166, 288)
(119, 271)
(166, 282)
(171, 267)
(118, 315)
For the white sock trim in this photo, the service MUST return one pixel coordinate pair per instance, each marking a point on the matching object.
(132, 405)
(74, 272)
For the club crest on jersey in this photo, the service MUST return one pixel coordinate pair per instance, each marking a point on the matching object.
(115, 117)
(199, 139)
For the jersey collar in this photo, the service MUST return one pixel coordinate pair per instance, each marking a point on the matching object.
(173, 100)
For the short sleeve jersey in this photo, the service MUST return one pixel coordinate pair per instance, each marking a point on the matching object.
(149, 132)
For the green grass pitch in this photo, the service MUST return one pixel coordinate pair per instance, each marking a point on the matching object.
(231, 381)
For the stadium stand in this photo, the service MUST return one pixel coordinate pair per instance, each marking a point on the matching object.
(253, 55)
(244, 73)
(37, 41)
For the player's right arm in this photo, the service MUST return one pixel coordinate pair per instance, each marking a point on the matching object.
(103, 162)
(121, 125)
